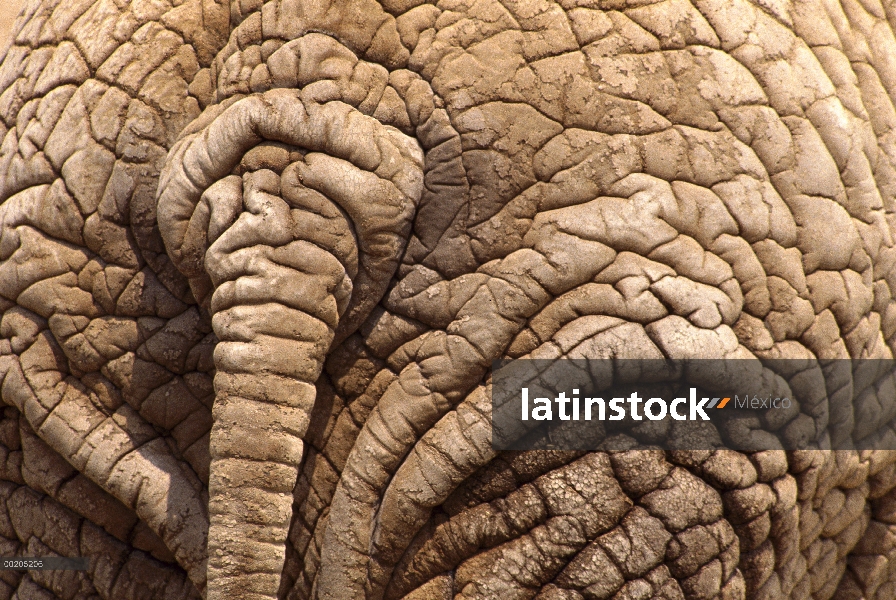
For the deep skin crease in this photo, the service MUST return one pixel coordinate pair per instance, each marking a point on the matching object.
(256, 259)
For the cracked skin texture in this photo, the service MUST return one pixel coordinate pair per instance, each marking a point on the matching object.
(256, 260)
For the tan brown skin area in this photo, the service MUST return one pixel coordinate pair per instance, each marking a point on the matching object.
(8, 13)
(256, 260)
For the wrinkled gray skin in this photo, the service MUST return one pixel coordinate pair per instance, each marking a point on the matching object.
(256, 260)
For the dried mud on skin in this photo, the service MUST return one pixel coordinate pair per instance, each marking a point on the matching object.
(256, 260)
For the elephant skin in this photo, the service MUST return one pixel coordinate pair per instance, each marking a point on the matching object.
(257, 258)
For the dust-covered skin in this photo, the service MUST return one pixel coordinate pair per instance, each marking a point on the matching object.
(8, 13)
(256, 261)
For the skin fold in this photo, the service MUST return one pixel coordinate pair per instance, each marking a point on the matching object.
(257, 258)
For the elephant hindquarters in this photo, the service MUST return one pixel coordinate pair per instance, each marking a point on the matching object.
(288, 257)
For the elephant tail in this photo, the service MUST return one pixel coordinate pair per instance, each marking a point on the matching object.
(274, 323)
(288, 254)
